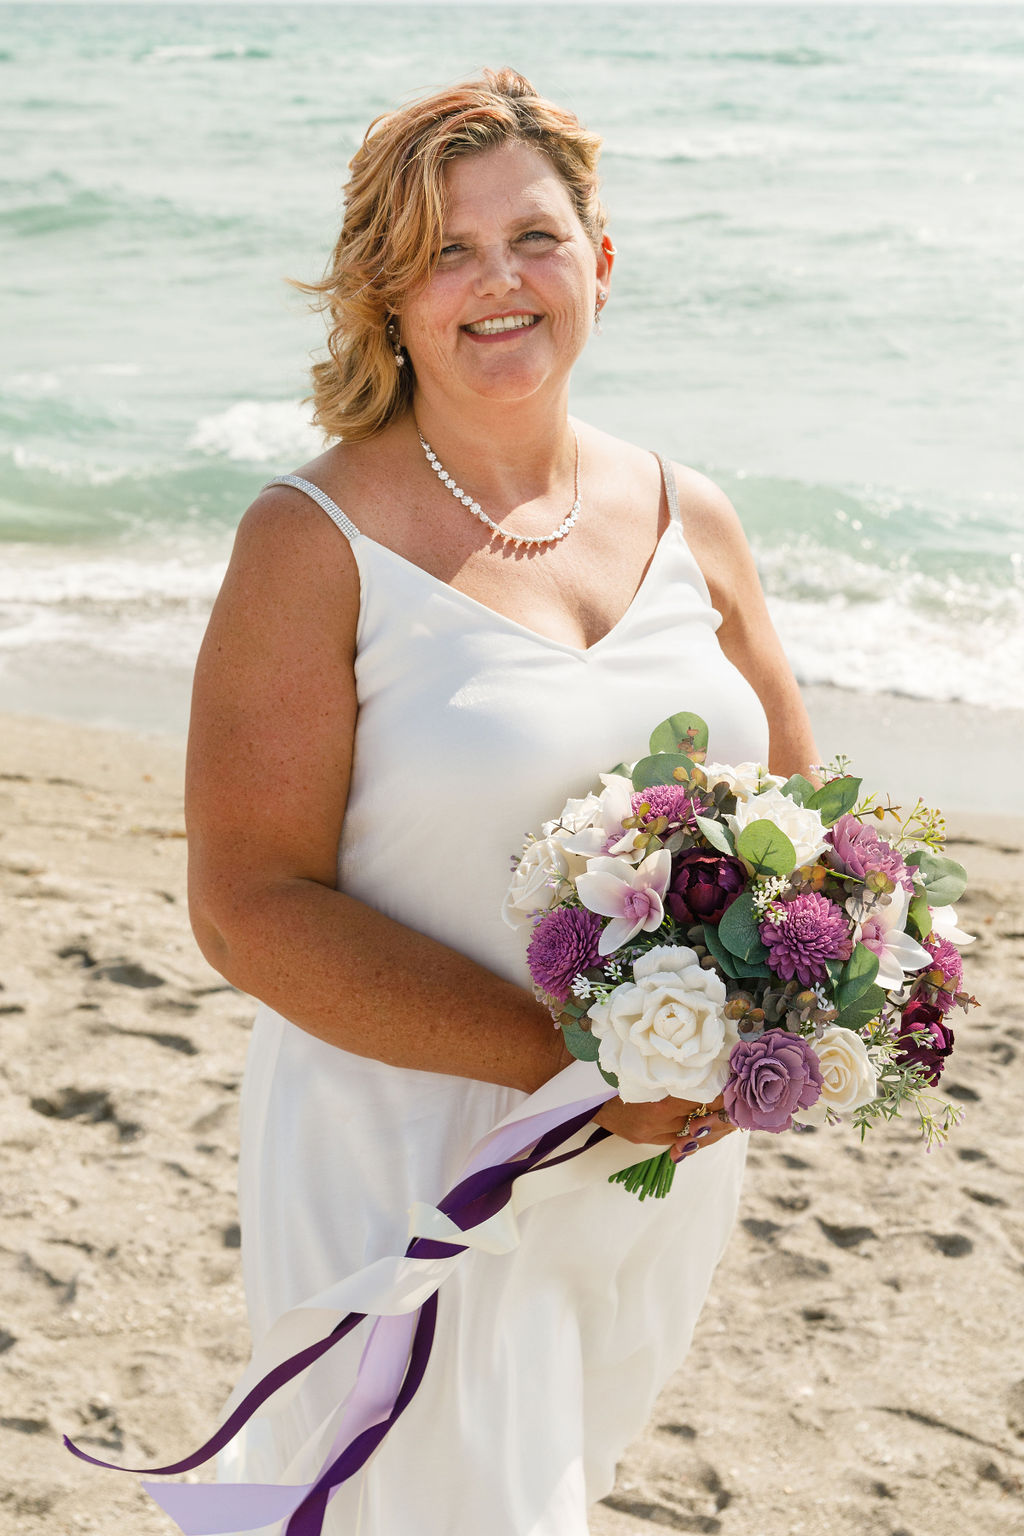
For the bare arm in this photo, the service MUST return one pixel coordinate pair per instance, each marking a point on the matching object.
(273, 718)
(747, 635)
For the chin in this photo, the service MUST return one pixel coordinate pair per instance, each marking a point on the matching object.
(514, 384)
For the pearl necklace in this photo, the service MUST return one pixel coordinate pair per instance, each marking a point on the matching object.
(519, 541)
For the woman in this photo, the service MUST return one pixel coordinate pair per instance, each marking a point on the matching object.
(387, 699)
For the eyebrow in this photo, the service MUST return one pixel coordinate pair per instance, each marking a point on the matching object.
(538, 215)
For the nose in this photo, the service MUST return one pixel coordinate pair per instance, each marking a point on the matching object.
(498, 271)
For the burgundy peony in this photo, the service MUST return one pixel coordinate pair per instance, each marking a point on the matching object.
(802, 934)
(563, 943)
(772, 1077)
(936, 1042)
(860, 851)
(704, 885)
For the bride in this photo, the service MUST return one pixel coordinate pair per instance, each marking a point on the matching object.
(499, 602)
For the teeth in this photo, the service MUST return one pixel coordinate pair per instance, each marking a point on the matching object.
(501, 323)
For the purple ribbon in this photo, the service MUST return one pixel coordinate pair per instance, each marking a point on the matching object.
(207, 1510)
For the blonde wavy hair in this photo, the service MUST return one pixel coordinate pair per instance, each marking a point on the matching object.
(391, 234)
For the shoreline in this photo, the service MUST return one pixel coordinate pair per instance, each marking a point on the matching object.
(965, 758)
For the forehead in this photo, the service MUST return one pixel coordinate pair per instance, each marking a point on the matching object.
(508, 181)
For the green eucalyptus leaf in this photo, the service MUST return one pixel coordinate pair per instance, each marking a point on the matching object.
(835, 971)
(680, 733)
(660, 769)
(766, 848)
(717, 834)
(798, 788)
(944, 879)
(858, 975)
(867, 1007)
(834, 800)
(919, 917)
(731, 964)
(609, 1077)
(623, 769)
(584, 1045)
(738, 930)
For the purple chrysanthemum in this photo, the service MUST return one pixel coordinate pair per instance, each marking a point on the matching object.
(860, 851)
(672, 801)
(802, 934)
(948, 962)
(564, 943)
(770, 1079)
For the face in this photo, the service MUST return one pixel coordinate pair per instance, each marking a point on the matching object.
(510, 305)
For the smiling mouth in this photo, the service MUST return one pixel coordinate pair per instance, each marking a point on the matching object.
(500, 323)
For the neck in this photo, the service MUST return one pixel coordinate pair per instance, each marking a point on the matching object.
(505, 452)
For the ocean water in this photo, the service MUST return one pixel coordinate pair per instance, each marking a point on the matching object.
(819, 301)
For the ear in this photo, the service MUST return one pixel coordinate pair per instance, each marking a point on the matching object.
(605, 262)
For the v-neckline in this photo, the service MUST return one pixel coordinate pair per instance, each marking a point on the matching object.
(581, 651)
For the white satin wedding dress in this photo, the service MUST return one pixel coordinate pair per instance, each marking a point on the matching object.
(473, 729)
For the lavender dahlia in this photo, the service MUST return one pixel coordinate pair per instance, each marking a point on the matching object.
(772, 1077)
(802, 934)
(861, 852)
(669, 800)
(943, 981)
(564, 943)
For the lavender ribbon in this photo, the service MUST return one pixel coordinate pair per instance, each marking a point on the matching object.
(394, 1359)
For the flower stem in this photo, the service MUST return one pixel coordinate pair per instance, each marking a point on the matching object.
(654, 1177)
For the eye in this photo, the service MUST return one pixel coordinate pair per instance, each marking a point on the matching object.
(450, 250)
(537, 234)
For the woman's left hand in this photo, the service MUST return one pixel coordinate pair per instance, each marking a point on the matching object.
(707, 1124)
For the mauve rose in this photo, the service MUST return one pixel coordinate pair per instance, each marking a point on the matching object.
(772, 1077)
(937, 1044)
(860, 851)
(704, 886)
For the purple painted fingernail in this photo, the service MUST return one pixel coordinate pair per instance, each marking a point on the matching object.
(675, 1153)
(705, 1130)
(691, 1146)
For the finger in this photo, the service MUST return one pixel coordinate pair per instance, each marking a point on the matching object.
(700, 1135)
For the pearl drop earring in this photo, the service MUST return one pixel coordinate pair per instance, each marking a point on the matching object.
(391, 332)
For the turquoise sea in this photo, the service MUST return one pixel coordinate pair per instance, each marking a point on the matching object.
(819, 301)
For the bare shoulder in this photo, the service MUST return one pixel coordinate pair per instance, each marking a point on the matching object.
(715, 534)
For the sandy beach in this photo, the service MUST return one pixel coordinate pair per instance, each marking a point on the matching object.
(857, 1370)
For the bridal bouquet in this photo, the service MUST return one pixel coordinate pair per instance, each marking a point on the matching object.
(703, 929)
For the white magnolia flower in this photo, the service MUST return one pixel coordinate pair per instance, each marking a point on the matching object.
(665, 1033)
(631, 897)
(744, 779)
(603, 833)
(882, 930)
(537, 882)
(944, 926)
(804, 828)
(848, 1076)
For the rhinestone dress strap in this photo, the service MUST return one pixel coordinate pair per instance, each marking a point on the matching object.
(668, 474)
(322, 500)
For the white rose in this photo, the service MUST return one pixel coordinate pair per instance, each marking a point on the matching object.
(848, 1076)
(536, 883)
(805, 829)
(744, 779)
(665, 1033)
